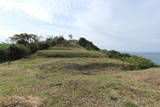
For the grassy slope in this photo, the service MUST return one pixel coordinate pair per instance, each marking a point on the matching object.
(61, 82)
(70, 53)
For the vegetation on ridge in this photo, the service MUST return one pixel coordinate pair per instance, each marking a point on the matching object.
(27, 44)
(138, 62)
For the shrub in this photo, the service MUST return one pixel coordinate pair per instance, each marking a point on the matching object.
(4, 53)
(34, 47)
(87, 44)
(43, 45)
(58, 40)
(17, 51)
(52, 43)
(138, 62)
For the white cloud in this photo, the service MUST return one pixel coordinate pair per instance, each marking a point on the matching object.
(31, 8)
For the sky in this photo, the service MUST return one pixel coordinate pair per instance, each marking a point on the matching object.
(123, 25)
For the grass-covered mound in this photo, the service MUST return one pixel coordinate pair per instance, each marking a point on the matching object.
(74, 73)
(29, 44)
(70, 54)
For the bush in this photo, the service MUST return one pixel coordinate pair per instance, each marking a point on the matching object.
(34, 47)
(43, 45)
(18, 51)
(87, 44)
(52, 43)
(138, 62)
(4, 53)
(58, 40)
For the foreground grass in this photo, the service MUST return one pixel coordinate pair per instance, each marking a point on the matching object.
(24, 83)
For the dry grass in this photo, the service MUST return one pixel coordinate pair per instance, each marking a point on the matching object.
(17, 101)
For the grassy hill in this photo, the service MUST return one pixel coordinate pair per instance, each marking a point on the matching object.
(71, 75)
(80, 82)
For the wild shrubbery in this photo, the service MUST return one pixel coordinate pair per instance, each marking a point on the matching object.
(17, 51)
(87, 44)
(4, 53)
(138, 62)
(24, 45)
(13, 52)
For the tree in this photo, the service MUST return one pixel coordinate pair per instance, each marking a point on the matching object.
(24, 38)
(70, 36)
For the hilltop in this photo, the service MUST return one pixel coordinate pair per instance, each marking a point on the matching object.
(76, 73)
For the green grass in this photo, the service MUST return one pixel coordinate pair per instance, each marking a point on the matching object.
(129, 104)
(23, 79)
(70, 53)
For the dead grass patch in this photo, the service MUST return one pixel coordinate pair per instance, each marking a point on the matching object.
(19, 101)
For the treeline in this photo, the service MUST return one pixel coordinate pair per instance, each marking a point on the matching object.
(25, 44)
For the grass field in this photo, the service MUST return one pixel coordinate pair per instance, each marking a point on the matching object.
(47, 82)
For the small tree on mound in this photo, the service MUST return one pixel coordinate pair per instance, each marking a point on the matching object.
(87, 44)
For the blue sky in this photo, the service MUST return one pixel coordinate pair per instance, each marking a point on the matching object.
(126, 25)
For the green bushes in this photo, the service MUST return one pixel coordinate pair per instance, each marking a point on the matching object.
(43, 45)
(87, 44)
(138, 62)
(57, 40)
(4, 53)
(17, 51)
(25, 44)
(13, 52)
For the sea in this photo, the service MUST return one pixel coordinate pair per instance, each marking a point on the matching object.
(153, 56)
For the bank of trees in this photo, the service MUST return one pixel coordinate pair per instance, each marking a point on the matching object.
(25, 44)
